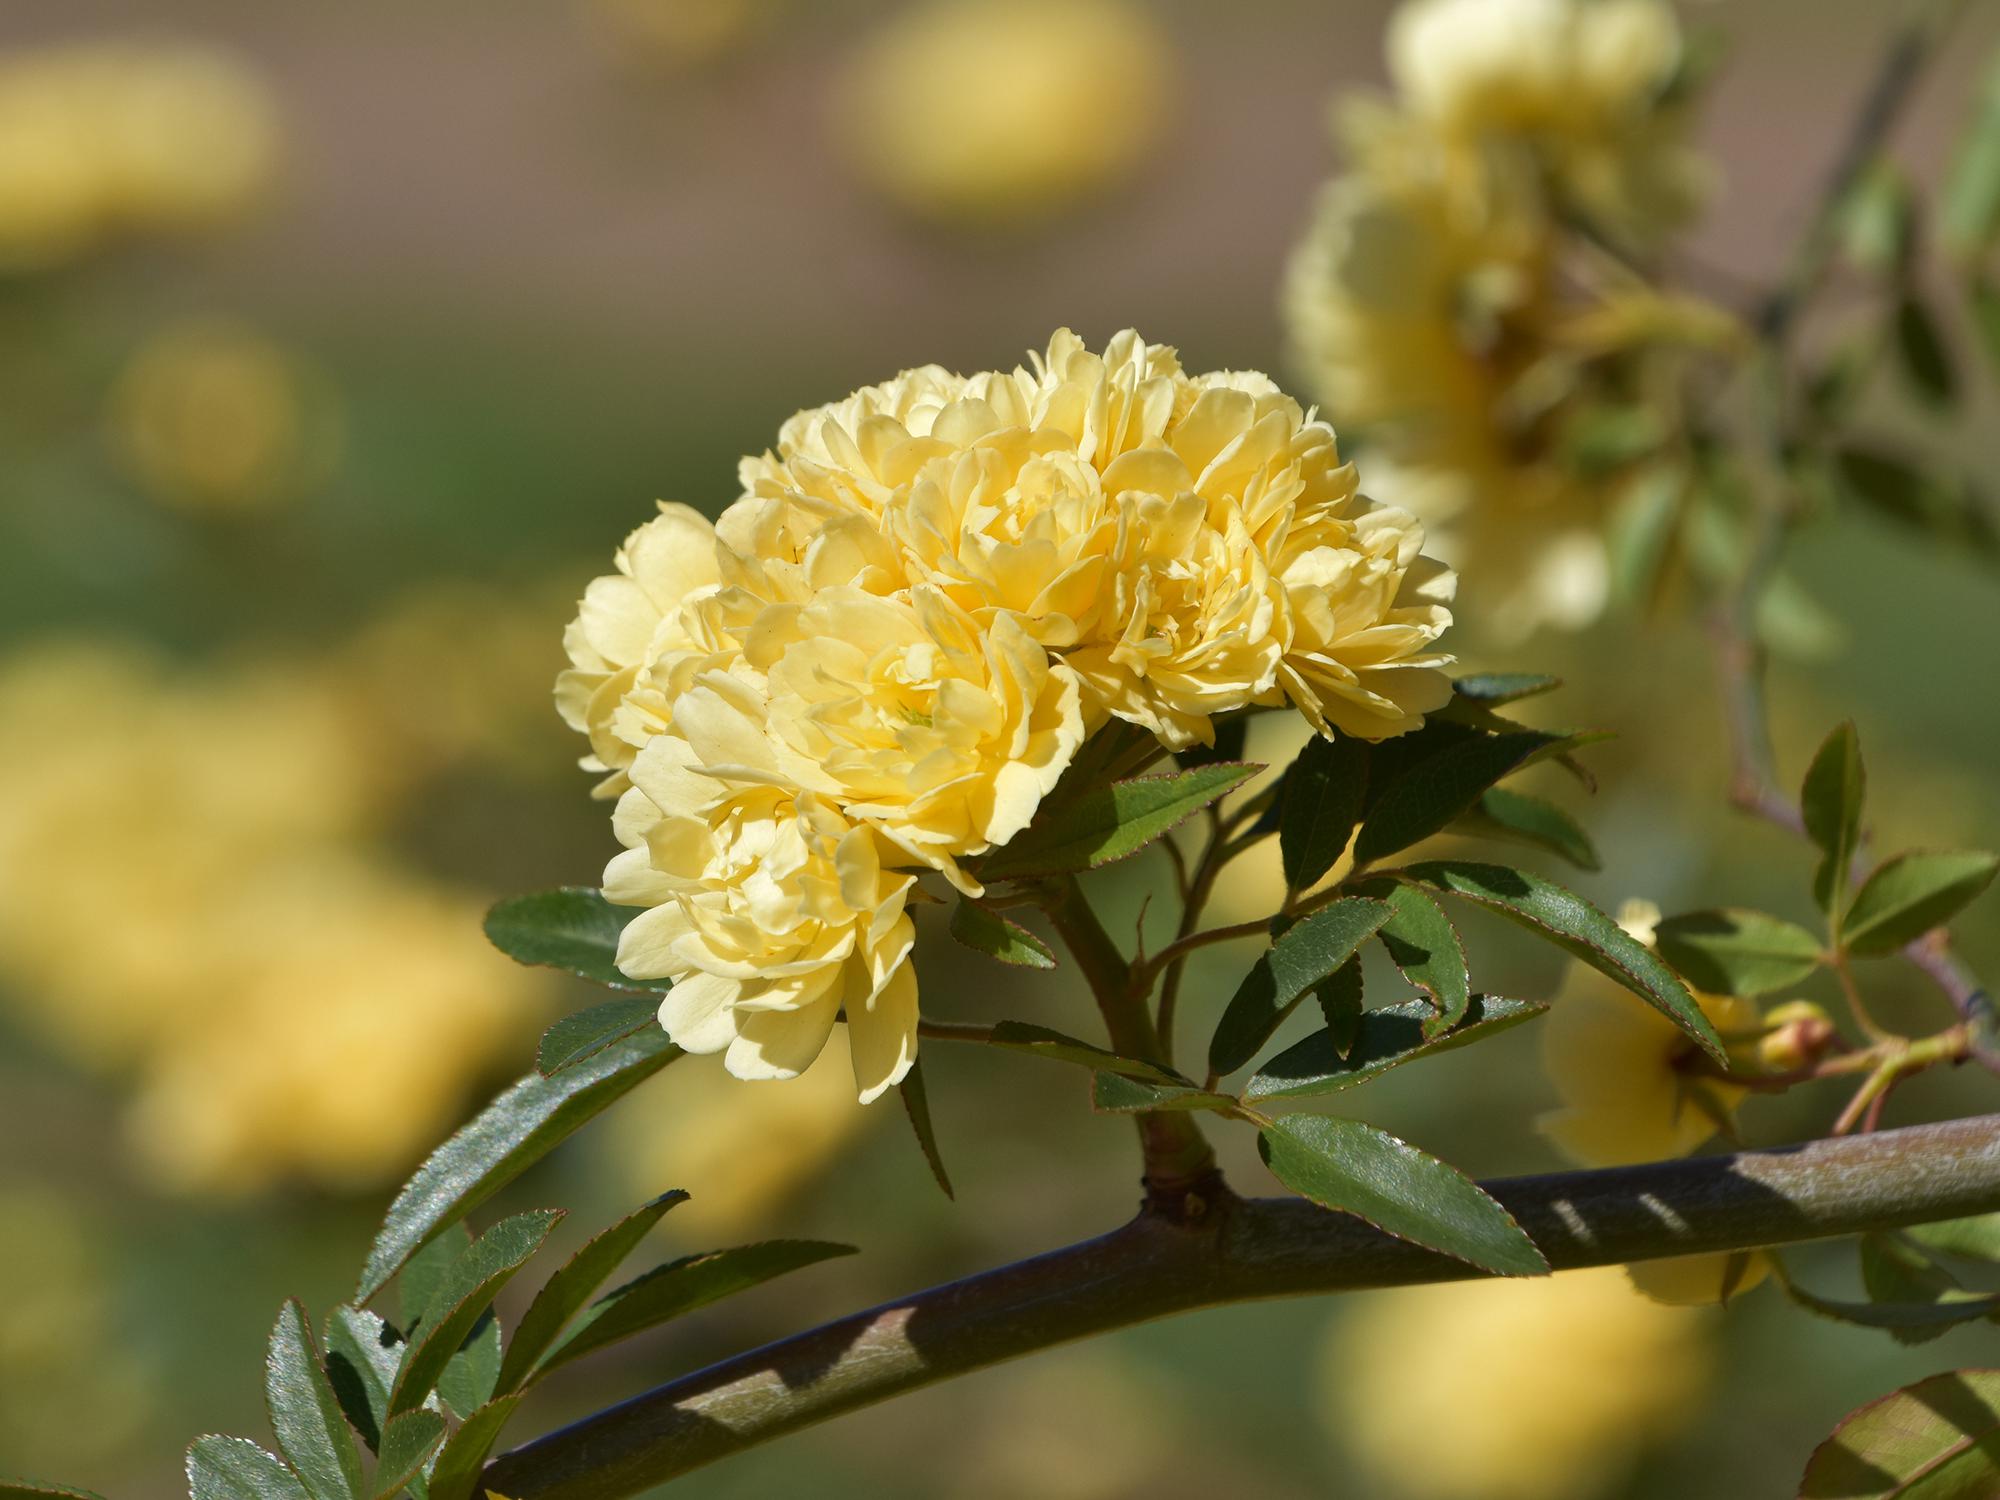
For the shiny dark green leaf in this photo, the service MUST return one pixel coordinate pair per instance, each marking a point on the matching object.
(1579, 929)
(1307, 952)
(1427, 796)
(572, 928)
(1114, 1095)
(986, 931)
(679, 1287)
(1835, 791)
(463, 1457)
(1108, 822)
(425, 1271)
(1020, 1036)
(1341, 996)
(1736, 951)
(1909, 895)
(1424, 946)
(1319, 807)
(1385, 1039)
(1936, 1440)
(306, 1418)
(565, 1293)
(582, 1035)
(464, 1294)
(407, 1445)
(917, 1107)
(1357, 1169)
(1903, 1317)
(1519, 818)
(507, 1137)
(1496, 688)
(471, 1374)
(233, 1468)
(362, 1353)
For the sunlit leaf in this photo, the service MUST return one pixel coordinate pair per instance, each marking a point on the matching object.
(1020, 1036)
(407, 1445)
(1496, 688)
(233, 1468)
(1835, 790)
(986, 931)
(1346, 1165)
(506, 1138)
(306, 1418)
(1109, 822)
(1284, 974)
(362, 1353)
(582, 1035)
(463, 1457)
(1735, 951)
(1112, 1094)
(1936, 1440)
(1579, 929)
(1976, 1237)
(1909, 895)
(465, 1293)
(1424, 946)
(1517, 817)
(1385, 1039)
(572, 928)
(1424, 798)
(471, 1374)
(1896, 1275)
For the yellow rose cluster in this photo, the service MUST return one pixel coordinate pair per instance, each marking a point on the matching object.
(886, 652)
(103, 139)
(1453, 299)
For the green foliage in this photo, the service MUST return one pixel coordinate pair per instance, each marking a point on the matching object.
(580, 1036)
(1341, 996)
(506, 1138)
(1911, 1321)
(1916, 498)
(1384, 1039)
(305, 1414)
(1429, 794)
(1497, 688)
(1878, 222)
(1110, 1093)
(1097, 825)
(471, 1374)
(1346, 1165)
(1424, 946)
(1736, 951)
(21, 1489)
(572, 928)
(985, 931)
(1020, 1036)
(1518, 818)
(232, 1468)
(917, 1106)
(1909, 895)
(680, 1287)
(1831, 800)
(1898, 1275)
(1922, 354)
(408, 1443)
(362, 1355)
(1306, 953)
(1324, 791)
(564, 1294)
(1976, 1237)
(1936, 1440)
(1579, 929)
(464, 1293)
(459, 1462)
(1970, 218)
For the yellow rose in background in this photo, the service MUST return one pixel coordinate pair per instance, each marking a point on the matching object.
(1699, 1280)
(678, 34)
(985, 113)
(211, 416)
(1555, 1385)
(103, 139)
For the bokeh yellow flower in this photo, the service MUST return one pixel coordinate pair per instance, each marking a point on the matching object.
(105, 139)
(212, 416)
(1631, 1083)
(1699, 1280)
(1554, 1385)
(679, 34)
(995, 112)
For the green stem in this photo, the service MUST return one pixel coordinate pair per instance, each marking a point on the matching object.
(1246, 1250)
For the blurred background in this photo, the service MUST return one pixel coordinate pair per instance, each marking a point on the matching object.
(340, 344)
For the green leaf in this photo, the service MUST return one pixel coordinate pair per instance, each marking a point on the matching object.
(1909, 895)
(1496, 688)
(681, 1286)
(1113, 1095)
(582, 1035)
(233, 1468)
(1306, 953)
(1936, 1440)
(571, 928)
(1341, 996)
(305, 1414)
(362, 1353)
(1735, 951)
(1424, 946)
(1579, 929)
(425, 1273)
(564, 1294)
(1109, 822)
(23, 1489)
(1535, 821)
(471, 1374)
(456, 1474)
(986, 931)
(1639, 532)
(1427, 796)
(1976, 1237)
(1970, 211)
(1897, 1275)
(407, 1445)
(1385, 1039)
(1346, 1165)
(917, 1106)
(1019, 1036)
(1602, 438)
(1318, 807)
(1952, 511)
(1835, 790)
(1923, 354)
(466, 1291)
(1230, 735)
(510, 1135)
(1985, 298)
(1878, 221)
(1902, 1318)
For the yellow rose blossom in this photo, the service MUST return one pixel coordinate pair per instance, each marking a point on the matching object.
(992, 112)
(628, 621)
(100, 139)
(770, 912)
(1630, 1081)
(1555, 1385)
